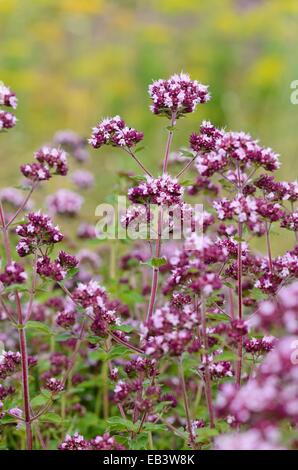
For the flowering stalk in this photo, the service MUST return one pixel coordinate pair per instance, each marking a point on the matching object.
(22, 341)
(155, 269)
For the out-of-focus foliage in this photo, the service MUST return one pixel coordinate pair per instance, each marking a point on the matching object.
(74, 61)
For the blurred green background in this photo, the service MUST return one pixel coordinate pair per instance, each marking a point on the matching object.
(72, 62)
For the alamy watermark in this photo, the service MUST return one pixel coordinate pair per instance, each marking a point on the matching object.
(148, 221)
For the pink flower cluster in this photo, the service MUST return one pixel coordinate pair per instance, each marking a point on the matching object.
(271, 394)
(114, 131)
(9, 363)
(170, 330)
(57, 269)
(217, 149)
(13, 273)
(78, 442)
(164, 190)
(72, 143)
(38, 231)
(50, 161)
(64, 202)
(94, 299)
(7, 98)
(280, 313)
(177, 95)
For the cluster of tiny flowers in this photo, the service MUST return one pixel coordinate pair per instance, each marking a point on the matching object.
(177, 96)
(277, 190)
(83, 179)
(78, 442)
(9, 363)
(272, 392)
(7, 98)
(114, 131)
(66, 318)
(57, 269)
(217, 149)
(257, 346)
(54, 385)
(217, 369)
(13, 273)
(7, 120)
(86, 231)
(72, 143)
(38, 231)
(170, 330)
(94, 299)
(50, 161)
(164, 190)
(291, 222)
(267, 438)
(64, 202)
(280, 313)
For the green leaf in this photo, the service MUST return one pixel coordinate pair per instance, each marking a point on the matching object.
(205, 434)
(139, 442)
(39, 327)
(119, 351)
(151, 427)
(125, 328)
(156, 262)
(121, 424)
(39, 400)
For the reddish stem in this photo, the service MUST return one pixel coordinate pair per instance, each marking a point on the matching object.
(25, 374)
(269, 247)
(240, 302)
(186, 406)
(207, 377)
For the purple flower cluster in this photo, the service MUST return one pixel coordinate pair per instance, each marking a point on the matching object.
(64, 202)
(280, 313)
(114, 131)
(13, 273)
(271, 395)
(38, 231)
(177, 95)
(83, 179)
(72, 143)
(57, 269)
(78, 442)
(217, 149)
(170, 330)
(50, 161)
(7, 98)
(7, 120)
(54, 385)
(257, 346)
(94, 299)
(9, 363)
(164, 190)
